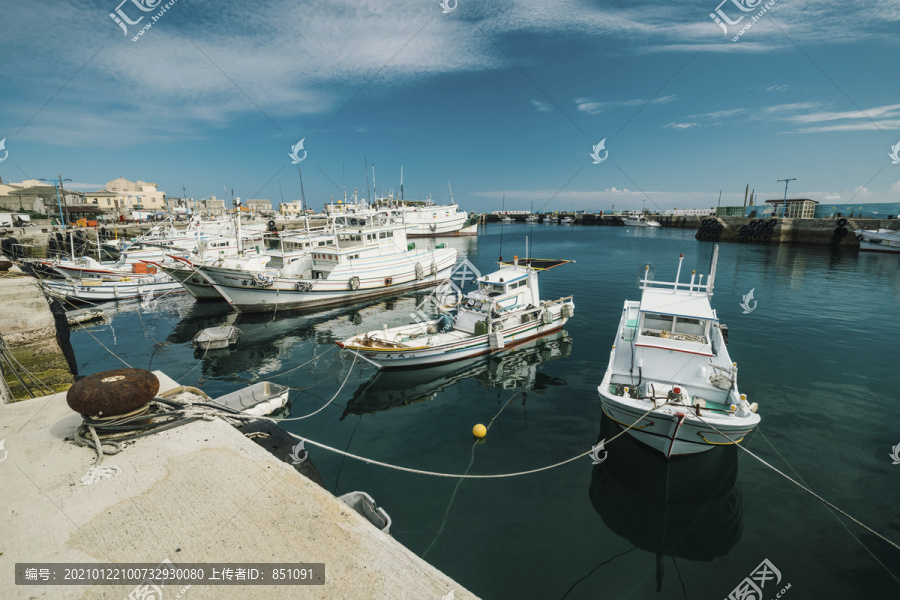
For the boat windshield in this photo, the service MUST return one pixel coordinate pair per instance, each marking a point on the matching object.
(492, 289)
(681, 328)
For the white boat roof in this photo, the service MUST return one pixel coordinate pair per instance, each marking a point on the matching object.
(680, 304)
(504, 276)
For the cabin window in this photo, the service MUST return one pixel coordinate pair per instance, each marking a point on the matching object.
(382, 234)
(492, 288)
(658, 322)
(689, 326)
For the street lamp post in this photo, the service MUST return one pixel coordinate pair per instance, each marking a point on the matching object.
(58, 203)
(784, 210)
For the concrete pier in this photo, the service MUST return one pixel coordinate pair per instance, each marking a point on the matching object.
(37, 338)
(202, 492)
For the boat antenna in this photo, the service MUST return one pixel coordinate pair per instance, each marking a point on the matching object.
(451, 192)
(280, 193)
(402, 195)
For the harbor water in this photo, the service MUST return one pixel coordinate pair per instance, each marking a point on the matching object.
(818, 352)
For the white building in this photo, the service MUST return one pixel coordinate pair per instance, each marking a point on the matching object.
(137, 194)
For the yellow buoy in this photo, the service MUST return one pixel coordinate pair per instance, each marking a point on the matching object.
(479, 431)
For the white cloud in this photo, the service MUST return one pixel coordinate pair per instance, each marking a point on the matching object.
(777, 88)
(679, 126)
(592, 106)
(540, 106)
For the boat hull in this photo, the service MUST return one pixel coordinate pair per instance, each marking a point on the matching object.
(465, 231)
(119, 291)
(459, 350)
(879, 241)
(193, 282)
(384, 276)
(674, 430)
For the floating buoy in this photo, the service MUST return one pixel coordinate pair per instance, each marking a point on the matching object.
(479, 431)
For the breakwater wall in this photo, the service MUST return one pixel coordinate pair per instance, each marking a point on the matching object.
(681, 222)
(835, 232)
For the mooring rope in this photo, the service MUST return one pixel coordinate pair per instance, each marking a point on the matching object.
(321, 408)
(804, 488)
(465, 475)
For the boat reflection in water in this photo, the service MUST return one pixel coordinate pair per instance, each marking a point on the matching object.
(516, 368)
(689, 507)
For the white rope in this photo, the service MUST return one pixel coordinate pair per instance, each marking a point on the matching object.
(464, 475)
(804, 488)
(321, 408)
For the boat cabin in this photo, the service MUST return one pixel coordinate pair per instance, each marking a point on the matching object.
(670, 321)
(510, 288)
(343, 245)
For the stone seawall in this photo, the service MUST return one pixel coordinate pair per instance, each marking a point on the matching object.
(36, 337)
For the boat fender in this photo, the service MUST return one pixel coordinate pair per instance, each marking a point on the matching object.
(434, 268)
(271, 225)
(841, 222)
(264, 279)
(304, 286)
(420, 271)
(546, 317)
(497, 326)
(354, 283)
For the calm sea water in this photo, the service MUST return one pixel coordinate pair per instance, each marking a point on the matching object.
(819, 354)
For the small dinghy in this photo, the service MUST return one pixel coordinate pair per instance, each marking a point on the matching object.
(260, 399)
(364, 504)
(216, 338)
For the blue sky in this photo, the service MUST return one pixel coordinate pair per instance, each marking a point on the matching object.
(495, 97)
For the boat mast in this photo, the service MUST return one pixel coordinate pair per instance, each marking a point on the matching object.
(368, 194)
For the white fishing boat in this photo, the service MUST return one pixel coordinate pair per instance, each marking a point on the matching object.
(505, 310)
(532, 218)
(85, 267)
(670, 379)
(878, 240)
(102, 290)
(358, 263)
(567, 220)
(260, 399)
(640, 220)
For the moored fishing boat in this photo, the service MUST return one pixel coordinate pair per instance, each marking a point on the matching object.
(640, 220)
(102, 290)
(359, 262)
(878, 240)
(670, 379)
(505, 310)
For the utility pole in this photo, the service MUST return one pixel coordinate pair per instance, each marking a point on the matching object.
(786, 181)
(60, 180)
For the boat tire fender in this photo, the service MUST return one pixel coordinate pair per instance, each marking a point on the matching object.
(354, 283)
